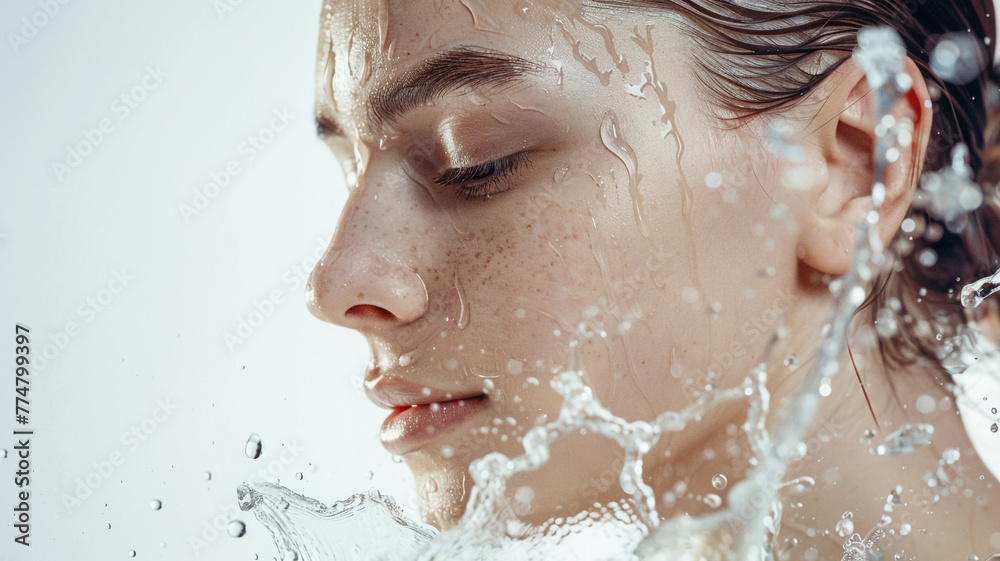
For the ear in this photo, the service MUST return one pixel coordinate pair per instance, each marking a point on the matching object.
(842, 144)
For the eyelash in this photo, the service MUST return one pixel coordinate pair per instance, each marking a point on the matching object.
(487, 178)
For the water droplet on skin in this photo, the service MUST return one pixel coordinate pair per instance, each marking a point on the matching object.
(613, 140)
(719, 481)
(430, 486)
(253, 447)
(236, 529)
(155, 504)
(514, 366)
(406, 359)
(560, 174)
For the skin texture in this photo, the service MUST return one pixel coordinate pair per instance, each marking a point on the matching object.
(688, 263)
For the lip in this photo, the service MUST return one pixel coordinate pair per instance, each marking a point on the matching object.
(409, 428)
(419, 413)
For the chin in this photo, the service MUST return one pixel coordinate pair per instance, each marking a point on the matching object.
(442, 492)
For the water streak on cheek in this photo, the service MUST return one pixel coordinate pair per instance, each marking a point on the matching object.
(668, 109)
(621, 318)
(614, 141)
(465, 311)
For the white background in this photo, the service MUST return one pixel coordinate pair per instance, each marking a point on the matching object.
(161, 338)
(63, 237)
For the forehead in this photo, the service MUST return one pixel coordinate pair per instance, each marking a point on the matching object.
(368, 43)
(406, 28)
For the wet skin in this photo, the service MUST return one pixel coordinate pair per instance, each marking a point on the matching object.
(519, 169)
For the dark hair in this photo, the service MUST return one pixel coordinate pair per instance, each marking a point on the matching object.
(761, 55)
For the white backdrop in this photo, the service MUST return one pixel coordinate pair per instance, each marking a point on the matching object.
(99, 239)
(161, 183)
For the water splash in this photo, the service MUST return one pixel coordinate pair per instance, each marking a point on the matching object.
(950, 194)
(365, 526)
(974, 293)
(907, 439)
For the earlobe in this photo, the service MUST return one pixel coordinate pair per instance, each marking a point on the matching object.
(844, 141)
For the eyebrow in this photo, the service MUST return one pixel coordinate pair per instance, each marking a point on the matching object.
(456, 69)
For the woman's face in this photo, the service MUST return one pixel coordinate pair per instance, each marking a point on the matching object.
(522, 176)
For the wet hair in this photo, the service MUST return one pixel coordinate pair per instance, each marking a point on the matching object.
(758, 56)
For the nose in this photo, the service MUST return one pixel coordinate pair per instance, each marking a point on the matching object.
(356, 287)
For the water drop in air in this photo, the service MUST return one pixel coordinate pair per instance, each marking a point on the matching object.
(951, 455)
(845, 527)
(155, 504)
(253, 447)
(994, 428)
(131, 553)
(719, 481)
(236, 529)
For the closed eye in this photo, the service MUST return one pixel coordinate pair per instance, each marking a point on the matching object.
(483, 180)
